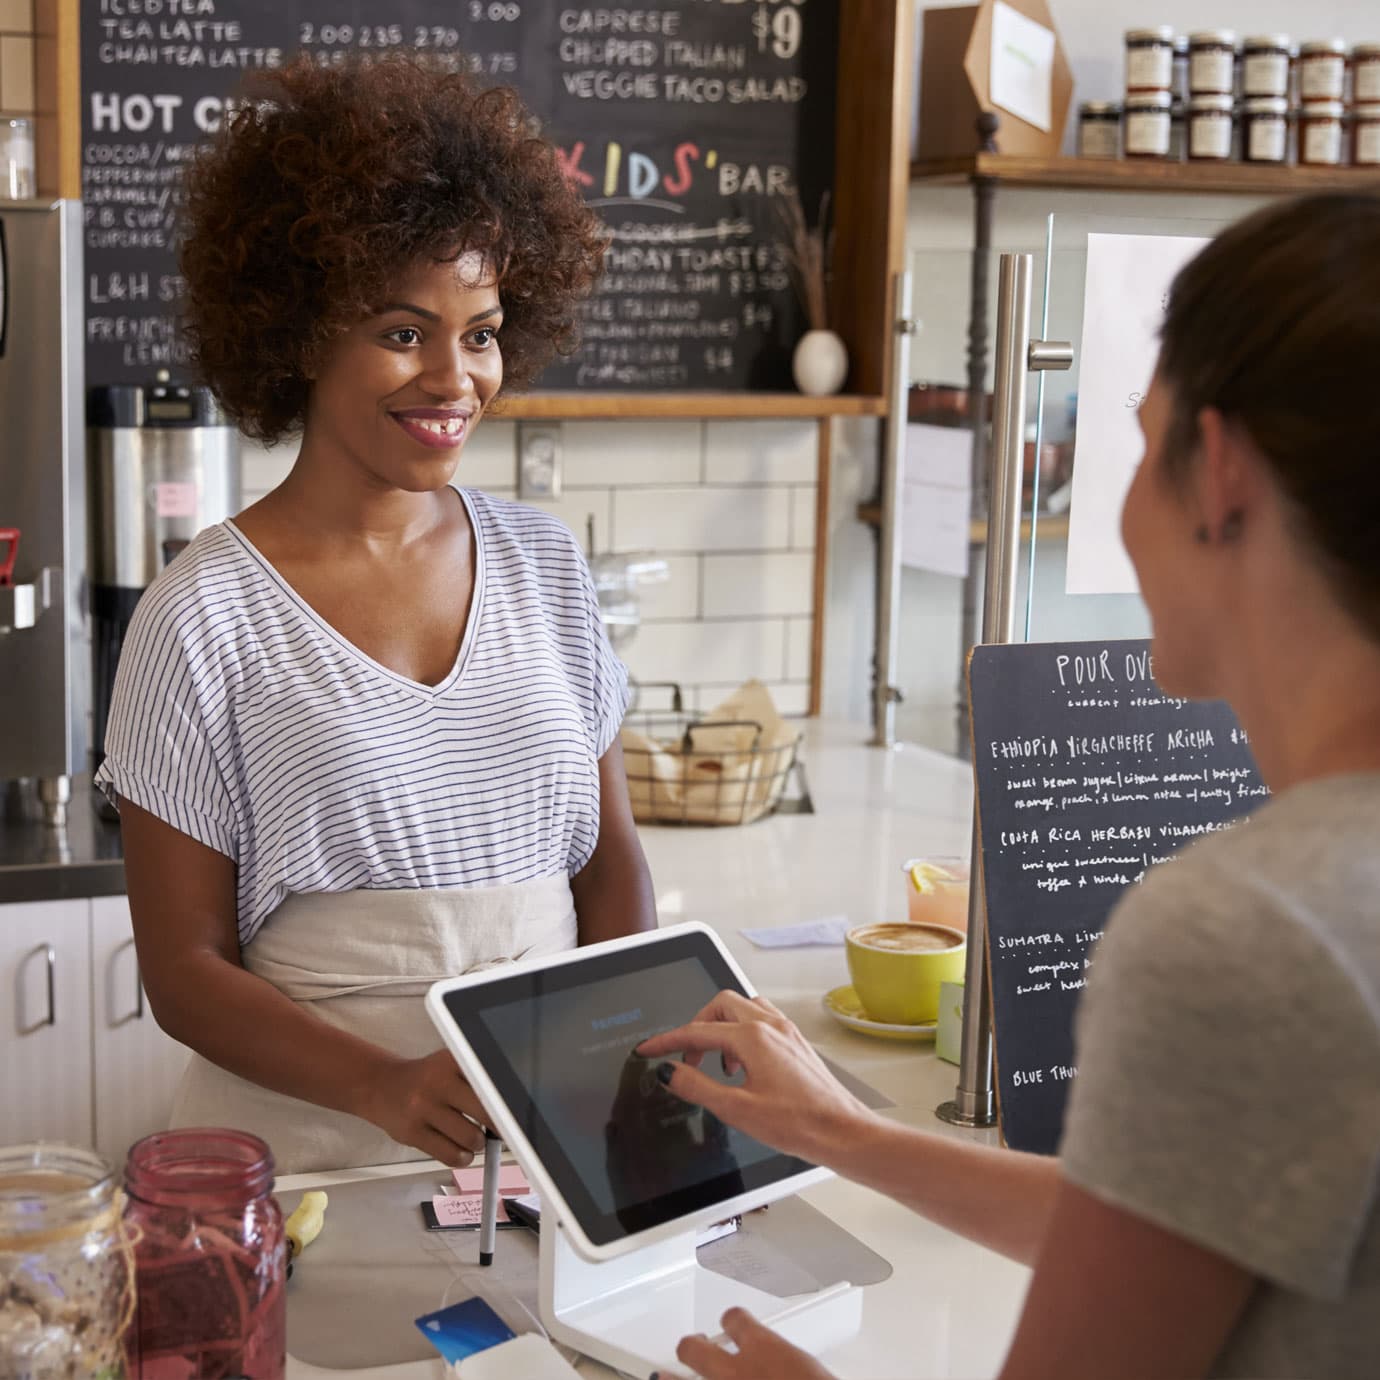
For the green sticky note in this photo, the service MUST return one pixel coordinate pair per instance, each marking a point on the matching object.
(947, 1037)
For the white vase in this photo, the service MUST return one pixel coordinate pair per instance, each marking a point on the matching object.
(820, 363)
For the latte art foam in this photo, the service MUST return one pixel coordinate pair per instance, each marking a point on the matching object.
(905, 938)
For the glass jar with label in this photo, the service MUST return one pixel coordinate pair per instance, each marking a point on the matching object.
(17, 180)
(1149, 59)
(1322, 70)
(1366, 126)
(1320, 134)
(1099, 129)
(1265, 120)
(1147, 124)
(1265, 65)
(1365, 73)
(1211, 63)
(66, 1265)
(1210, 126)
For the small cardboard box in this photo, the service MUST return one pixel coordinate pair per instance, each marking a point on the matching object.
(955, 85)
(948, 1038)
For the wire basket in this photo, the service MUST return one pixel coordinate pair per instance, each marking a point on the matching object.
(708, 771)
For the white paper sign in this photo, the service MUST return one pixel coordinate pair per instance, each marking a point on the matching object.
(1128, 282)
(1022, 66)
(935, 502)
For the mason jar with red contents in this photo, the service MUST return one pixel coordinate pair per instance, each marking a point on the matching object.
(210, 1258)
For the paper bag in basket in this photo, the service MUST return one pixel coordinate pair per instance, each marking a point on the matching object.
(728, 769)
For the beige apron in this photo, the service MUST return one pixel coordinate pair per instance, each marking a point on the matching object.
(362, 962)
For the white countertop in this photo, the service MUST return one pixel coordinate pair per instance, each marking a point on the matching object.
(949, 1308)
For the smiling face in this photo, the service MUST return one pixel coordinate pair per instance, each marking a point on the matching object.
(398, 393)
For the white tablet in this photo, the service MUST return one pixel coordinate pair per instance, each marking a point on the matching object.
(548, 1046)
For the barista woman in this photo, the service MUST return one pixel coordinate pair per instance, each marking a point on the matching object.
(1214, 1210)
(365, 735)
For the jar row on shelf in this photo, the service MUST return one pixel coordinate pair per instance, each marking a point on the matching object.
(1219, 128)
(1215, 62)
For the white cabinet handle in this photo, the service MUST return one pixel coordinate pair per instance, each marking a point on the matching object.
(50, 956)
(138, 1013)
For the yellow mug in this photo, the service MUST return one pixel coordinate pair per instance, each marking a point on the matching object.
(897, 968)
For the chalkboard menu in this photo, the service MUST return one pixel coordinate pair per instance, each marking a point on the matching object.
(683, 124)
(1086, 776)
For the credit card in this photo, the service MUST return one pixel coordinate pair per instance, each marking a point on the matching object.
(464, 1328)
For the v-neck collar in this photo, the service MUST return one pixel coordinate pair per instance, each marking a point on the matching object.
(271, 573)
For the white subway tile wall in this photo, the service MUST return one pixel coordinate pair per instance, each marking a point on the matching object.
(730, 506)
(803, 518)
(703, 518)
(758, 585)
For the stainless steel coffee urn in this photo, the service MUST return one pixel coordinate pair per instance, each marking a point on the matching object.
(165, 464)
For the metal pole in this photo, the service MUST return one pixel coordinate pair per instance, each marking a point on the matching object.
(885, 690)
(974, 1102)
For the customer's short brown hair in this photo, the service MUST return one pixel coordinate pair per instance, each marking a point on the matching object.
(1277, 324)
(330, 182)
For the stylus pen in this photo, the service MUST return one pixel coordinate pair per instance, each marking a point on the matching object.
(488, 1208)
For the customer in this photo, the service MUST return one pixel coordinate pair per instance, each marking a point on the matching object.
(365, 735)
(1214, 1209)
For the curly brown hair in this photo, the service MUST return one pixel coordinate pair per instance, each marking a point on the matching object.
(329, 182)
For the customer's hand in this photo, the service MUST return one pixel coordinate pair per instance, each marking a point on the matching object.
(426, 1103)
(761, 1354)
(789, 1098)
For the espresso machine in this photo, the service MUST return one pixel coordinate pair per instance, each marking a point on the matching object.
(45, 664)
(165, 463)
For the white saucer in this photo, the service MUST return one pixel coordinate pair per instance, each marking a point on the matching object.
(843, 1005)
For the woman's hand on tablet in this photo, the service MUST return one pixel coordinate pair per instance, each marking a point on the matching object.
(426, 1103)
(788, 1099)
(760, 1355)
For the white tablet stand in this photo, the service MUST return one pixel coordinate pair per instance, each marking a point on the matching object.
(631, 1311)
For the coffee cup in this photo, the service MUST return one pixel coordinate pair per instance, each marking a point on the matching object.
(897, 968)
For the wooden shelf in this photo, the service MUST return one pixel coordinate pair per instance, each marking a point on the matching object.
(654, 406)
(1142, 175)
(1053, 526)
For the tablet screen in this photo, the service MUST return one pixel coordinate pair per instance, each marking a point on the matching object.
(626, 1153)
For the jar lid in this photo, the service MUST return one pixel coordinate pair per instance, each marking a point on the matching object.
(1161, 33)
(1257, 43)
(1266, 105)
(1323, 47)
(1149, 100)
(1205, 38)
(1099, 108)
(1366, 50)
(1207, 104)
(1181, 45)
(1322, 110)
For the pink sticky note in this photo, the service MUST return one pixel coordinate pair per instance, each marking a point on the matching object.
(511, 1179)
(174, 500)
(462, 1210)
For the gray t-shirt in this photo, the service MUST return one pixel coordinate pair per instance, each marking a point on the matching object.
(1229, 1071)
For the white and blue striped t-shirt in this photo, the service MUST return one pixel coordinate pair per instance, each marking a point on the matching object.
(243, 719)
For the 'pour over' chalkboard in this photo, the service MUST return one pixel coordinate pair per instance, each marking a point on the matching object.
(1087, 775)
(682, 122)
